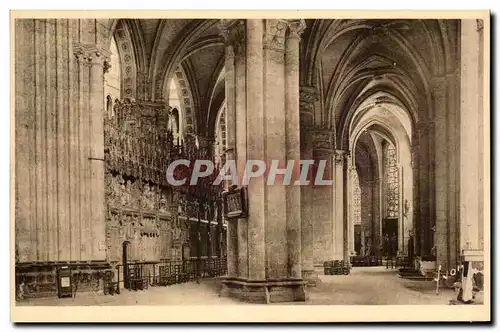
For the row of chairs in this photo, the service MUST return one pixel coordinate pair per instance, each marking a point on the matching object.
(336, 267)
(366, 261)
(143, 275)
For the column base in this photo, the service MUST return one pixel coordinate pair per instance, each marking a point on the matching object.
(40, 279)
(311, 277)
(265, 291)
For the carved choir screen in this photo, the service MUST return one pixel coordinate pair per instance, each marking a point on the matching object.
(138, 198)
(161, 222)
(201, 204)
(391, 180)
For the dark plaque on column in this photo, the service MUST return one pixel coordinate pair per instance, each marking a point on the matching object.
(235, 202)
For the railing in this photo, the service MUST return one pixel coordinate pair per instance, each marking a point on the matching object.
(142, 275)
(366, 260)
(388, 262)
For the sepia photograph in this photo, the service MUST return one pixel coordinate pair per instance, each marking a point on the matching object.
(261, 166)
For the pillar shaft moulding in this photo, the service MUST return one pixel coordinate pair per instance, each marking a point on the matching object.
(322, 198)
(308, 99)
(263, 95)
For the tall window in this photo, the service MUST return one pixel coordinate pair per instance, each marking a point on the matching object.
(356, 197)
(175, 104)
(221, 135)
(112, 83)
(391, 180)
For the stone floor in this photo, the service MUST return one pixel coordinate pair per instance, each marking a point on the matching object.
(365, 285)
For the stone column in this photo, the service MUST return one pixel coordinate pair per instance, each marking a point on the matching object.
(425, 132)
(230, 152)
(340, 223)
(349, 220)
(263, 76)
(277, 102)
(308, 98)
(474, 144)
(255, 146)
(416, 198)
(324, 235)
(445, 189)
(240, 66)
(292, 128)
(93, 57)
(97, 57)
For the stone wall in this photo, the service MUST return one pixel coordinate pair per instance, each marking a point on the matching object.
(58, 146)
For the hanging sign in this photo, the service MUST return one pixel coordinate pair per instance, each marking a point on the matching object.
(235, 202)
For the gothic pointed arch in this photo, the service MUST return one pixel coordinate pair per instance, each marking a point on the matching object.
(173, 41)
(186, 105)
(130, 45)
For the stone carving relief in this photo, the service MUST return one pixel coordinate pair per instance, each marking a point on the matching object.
(234, 34)
(296, 27)
(308, 96)
(149, 197)
(91, 54)
(274, 34)
(164, 205)
(142, 208)
(127, 58)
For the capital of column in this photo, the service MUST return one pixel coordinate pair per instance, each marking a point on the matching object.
(341, 156)
(234, 34)
(323, 142)
(308, 97)
(92, 54)
(296, 28)
(479, 24)
(274, 34)
(153, 109)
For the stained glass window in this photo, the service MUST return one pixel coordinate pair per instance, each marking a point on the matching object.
(356, 197)
(392, 180)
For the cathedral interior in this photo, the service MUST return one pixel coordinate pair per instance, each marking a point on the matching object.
(102, 106)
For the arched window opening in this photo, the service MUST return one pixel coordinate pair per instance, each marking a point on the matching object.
(174, 101)
(112, 83)
(173, 123)
(391, 180)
